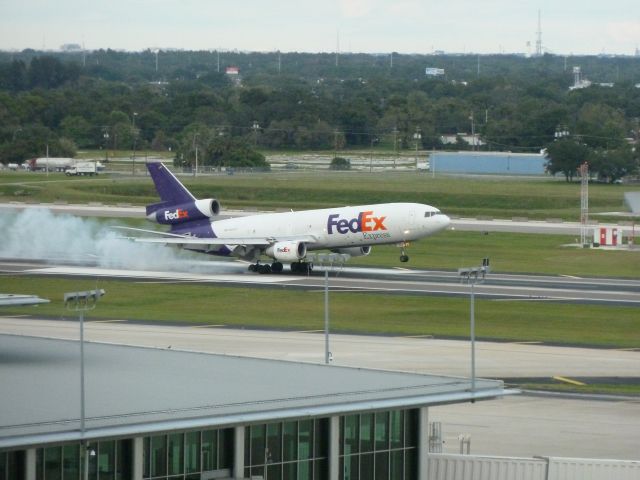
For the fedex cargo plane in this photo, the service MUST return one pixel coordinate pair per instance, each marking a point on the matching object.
(284, 237)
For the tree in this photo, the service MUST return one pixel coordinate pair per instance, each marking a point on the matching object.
(601, 126)
(339, 163)
(565, 156)
(77, 129)
(612, 165)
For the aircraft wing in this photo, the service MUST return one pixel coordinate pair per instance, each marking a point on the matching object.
(203, 241)
(165, 238)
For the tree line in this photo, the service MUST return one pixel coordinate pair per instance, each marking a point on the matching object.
(186, 102)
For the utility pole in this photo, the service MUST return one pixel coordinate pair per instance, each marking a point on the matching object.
(584, 203)
(133, 131)
(195, 144)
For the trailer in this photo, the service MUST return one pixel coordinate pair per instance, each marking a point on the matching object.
(51, 164)
(82, 168)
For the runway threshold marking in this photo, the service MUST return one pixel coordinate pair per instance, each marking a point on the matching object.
(568, 380)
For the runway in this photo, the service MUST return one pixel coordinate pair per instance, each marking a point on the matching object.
(520, 425)
(499, 287)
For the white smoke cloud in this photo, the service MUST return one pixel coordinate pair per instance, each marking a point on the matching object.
(38, 234)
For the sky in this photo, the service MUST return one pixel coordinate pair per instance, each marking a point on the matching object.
(368, 26)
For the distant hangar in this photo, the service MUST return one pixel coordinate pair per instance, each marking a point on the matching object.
(497, 163)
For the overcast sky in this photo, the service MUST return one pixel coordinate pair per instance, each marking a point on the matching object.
(405, 26)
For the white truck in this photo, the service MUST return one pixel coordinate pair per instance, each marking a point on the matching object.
(82, 168)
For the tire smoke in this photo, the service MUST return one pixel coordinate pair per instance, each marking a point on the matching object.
(38, 234)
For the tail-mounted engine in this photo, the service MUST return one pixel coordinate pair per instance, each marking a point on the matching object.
(287, 251)
(186, 212)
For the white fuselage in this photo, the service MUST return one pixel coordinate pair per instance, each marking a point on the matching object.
(341, 227)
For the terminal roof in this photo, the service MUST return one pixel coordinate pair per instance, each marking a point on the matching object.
(134, 391)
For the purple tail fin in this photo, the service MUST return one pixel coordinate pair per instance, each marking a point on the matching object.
(171, 191)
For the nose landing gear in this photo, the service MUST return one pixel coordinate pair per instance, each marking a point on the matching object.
(404, 258)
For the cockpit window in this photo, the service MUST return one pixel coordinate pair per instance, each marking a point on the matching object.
(432, 213)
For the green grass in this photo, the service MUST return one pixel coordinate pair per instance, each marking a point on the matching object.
(470, 197)
(350, 312)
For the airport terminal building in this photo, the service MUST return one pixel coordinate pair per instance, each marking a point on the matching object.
(164, 414)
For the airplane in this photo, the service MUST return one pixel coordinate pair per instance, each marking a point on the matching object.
(284, 237)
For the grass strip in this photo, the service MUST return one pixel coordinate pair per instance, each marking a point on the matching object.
(277, 308)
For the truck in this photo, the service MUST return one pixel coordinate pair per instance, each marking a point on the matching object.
(82, 168)
(51, 164)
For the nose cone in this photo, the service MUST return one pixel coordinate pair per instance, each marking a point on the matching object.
(443, 221)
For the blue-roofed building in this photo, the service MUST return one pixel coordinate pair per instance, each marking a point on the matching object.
(500, 163)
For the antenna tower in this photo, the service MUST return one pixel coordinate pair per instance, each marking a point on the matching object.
(539, 37)
(584, 202)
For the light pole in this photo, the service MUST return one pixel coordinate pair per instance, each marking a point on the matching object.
(256, 128)
(473, 275)
(47, 165)
(473, 133)
(106, 146)
(328, 261)
(81, 302)
(195, 144)
(417, 137)
(371, 155)
(395, 146)
(135, 138)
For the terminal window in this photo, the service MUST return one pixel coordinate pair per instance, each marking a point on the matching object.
(108, 460)
(291, 450)
(379, 446)
(184, 456)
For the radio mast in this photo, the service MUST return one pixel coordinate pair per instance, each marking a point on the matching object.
(539, 37)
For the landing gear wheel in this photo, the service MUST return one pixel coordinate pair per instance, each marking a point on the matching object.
(404, 258)
(276, 267)
(263, 269)
(253, 267)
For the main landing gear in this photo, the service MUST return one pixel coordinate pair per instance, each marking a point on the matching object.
(275, 267)
(264, 268)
